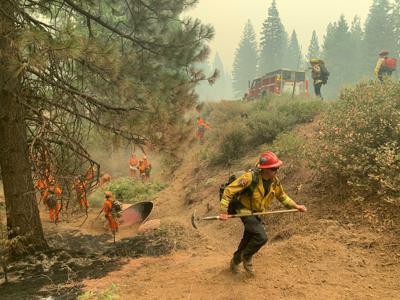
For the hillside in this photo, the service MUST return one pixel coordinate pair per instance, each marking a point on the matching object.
(334, 251)
(323, 254)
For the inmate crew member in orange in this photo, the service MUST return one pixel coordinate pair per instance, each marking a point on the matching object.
(81, 194)
(201, 128)
(52, 195)
(268, 187)
(107, 209)
(133, 165)
(147, 168)
(41, 186)
(144, 165)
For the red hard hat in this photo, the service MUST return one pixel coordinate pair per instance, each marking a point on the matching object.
(108, 194)
(268, 160)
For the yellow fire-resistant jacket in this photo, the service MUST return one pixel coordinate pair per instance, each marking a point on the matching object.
(256, 202)
(378, 65)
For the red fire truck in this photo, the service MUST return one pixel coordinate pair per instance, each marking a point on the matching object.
(282, 81)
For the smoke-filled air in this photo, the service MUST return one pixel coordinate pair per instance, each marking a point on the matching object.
(199, 149)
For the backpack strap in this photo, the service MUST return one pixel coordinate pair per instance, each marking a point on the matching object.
(250, 189)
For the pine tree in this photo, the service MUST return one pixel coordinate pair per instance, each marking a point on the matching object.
(355, 54)
(314, 50)
(203, 89)
(245, 62)
(273, 42)
(64, 73)
(219, 87)
(294, 53)
(336, 51)
(395, 17)
(379, 33)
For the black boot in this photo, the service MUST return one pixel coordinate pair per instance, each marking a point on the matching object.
(248, 265)
(234, 264)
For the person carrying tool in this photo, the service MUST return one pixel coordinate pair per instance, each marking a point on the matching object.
(133, 165)
(237, 201)
(319, 74)
(109, 213)
(51, 199)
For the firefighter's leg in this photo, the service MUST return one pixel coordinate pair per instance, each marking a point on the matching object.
(51, 214)
(57, 211)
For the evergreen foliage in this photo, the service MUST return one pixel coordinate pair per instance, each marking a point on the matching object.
(354, 71)
(273, 42)
(220, 87)
(335, 53)
(294, 53)
(128, 67)
(314, 50)
(395, 18)
(245, 62)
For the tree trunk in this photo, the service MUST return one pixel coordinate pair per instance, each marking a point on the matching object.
(21, 207)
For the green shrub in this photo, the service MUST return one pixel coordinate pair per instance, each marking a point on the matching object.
(304, 111)
(289, 145)
(243, 126)
(130, 191)
(266, 125)
(232, 143)
(360, 140)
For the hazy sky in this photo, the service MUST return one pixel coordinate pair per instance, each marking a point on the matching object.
(229, 17)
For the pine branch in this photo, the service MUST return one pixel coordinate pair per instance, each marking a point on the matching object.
(70, 89)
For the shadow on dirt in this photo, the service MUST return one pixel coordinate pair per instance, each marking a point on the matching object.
(58, 272)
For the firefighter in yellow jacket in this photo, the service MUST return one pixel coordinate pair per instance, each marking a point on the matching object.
(237, 200)
(380, 68)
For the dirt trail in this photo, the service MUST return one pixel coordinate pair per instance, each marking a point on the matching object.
(311, 256)
(331, 252)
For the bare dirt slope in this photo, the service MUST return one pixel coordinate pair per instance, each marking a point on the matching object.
(331, 252)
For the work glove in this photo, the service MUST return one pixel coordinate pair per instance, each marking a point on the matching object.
(223, 215)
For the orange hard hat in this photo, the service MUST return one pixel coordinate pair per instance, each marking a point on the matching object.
(108, 194)
(268, 160)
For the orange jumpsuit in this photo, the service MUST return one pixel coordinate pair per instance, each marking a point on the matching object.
(112, 223)
(54, 208)
(133, 165)
(41, 185)
(81, 194)
(144, 169)
(201, 128)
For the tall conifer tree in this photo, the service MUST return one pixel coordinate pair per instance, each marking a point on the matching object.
(68, 66)
(273, 42)
(294, 53)
(219, 87)
(355, 51)
(335, 53)
(314, 50)
(245, 62)
(395, 16)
